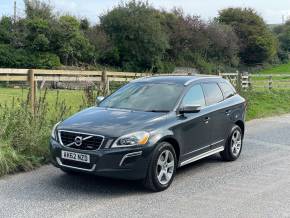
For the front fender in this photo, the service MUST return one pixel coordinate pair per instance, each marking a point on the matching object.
(161, 135)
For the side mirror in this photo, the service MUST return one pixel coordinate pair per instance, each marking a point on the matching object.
(189, 109)
(99, 99)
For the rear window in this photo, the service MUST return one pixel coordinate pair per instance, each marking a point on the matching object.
(213, 93)
(227, 89)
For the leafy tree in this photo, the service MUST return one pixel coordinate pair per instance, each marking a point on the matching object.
(223, 44)
(137, 34)
(72, 45)
(6, 26)
(257, 43)
(283, 33)
(37, 36)
(84, 24)
(186, 35)
(105, 50)
(194, 43)
(19, 58)
(38, 9)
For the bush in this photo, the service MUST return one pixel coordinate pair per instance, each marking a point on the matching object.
(19, 58)
(24, 136)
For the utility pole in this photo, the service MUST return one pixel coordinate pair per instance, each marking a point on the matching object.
(15, 12)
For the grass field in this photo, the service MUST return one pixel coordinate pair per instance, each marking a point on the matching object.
(267, 103)
(279, 69)
(72, 98)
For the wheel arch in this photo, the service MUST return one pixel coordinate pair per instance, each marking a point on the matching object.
(174, 143)
(241, 124)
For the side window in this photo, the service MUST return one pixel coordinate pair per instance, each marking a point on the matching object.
(227, 89)
(194, 96)
(213, 93)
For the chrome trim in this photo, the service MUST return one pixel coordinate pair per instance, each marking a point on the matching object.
(217, 142)
(133, 154)
(205, 146)
(76, 168)
(89, 136)
(206, 154)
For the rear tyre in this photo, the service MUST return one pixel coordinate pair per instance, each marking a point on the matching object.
(234, 144)
(162, 168)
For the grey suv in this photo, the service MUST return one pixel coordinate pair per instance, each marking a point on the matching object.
(150, 127)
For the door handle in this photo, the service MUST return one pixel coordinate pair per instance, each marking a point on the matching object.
(206, 120)
(228, 112)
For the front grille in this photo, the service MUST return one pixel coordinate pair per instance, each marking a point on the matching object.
(82, 141)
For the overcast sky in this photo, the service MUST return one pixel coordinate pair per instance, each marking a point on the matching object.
(271, 10)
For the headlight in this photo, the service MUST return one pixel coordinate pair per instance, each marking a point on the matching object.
(133, 139)
(53, 132)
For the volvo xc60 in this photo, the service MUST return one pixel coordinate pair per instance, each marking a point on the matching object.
(150, 127)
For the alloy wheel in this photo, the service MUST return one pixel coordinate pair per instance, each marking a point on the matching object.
(165, 167)
(236, 142)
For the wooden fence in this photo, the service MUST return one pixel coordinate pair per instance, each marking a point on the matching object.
(238, 79)
(258, 81)
(31, 77)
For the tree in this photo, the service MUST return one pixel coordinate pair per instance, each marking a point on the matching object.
(283, 33)
(70, 43)
(223, 44)
(137, 34)
(105, 50)
(187, 34)
(38, 34)
(6, 25)
(38, 9)
(257, 43)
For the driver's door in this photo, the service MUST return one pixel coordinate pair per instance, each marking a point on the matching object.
(195, 128)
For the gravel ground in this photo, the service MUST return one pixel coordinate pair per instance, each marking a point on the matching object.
(256, 185)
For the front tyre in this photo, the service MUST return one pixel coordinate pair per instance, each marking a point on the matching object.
(233, 145)
(162, 168)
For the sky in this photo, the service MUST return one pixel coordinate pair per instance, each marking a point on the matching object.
(271, 11)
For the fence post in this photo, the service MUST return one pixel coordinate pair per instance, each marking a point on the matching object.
(31, 81)
(270, 82)
(239, 81)
(105, 83)
(249, 81)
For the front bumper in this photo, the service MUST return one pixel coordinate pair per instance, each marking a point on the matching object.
(124, 163)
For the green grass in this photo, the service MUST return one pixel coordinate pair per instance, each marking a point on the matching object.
(72, 98)
(24, 138)
(267, 103)
(279, 69)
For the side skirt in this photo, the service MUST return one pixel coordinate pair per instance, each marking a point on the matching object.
(206, 154)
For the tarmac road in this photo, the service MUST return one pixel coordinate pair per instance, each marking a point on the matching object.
(256, 185)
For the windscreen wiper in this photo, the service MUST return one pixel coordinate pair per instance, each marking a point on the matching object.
(158, 111)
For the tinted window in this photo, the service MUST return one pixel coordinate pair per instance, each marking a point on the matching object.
(212, 92)
(194, 96)
(227, 89)
(145, 97)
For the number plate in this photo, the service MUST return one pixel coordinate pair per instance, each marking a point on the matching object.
(75, 156)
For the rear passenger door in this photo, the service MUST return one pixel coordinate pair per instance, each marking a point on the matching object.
(214, 108)
(230, 109)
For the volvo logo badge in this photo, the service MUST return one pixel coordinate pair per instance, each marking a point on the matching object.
(78, 141)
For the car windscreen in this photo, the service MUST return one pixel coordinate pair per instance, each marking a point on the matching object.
(141, 96)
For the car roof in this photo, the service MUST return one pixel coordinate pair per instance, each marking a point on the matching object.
(176, 79)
